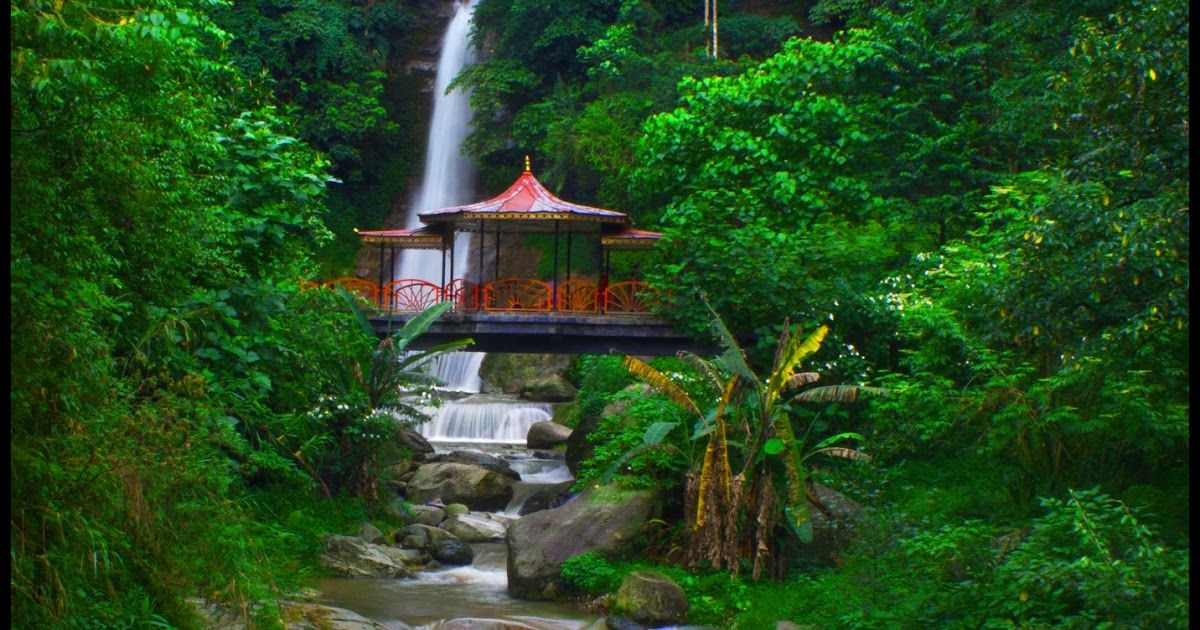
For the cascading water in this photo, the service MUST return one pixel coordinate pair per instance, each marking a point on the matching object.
(449, 181)
(483, 420)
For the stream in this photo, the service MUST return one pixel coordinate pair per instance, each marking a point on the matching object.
(432, 599)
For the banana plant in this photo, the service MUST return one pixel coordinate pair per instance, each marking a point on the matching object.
(391, 367)
(721, 506)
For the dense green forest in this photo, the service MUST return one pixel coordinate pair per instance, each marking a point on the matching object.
(970, 219)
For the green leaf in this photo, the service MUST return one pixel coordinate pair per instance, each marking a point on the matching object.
(774, 446)
(657, 431)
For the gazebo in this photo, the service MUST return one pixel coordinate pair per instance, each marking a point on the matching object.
(526, 207)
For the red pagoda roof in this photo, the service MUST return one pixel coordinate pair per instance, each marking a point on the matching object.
(526, 199)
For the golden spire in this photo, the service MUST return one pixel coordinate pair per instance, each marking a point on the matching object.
(526, 163)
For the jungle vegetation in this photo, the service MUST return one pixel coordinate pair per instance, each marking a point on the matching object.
(980, 208)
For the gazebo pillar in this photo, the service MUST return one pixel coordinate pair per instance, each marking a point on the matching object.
(377, 295)
(554, 282)
(442, 285)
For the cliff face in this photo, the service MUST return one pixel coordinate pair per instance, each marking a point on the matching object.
(411, 68)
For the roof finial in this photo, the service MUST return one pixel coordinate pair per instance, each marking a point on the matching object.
(526, 163)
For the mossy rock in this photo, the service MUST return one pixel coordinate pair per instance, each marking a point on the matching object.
(554, 388)
(509, 373)
(651, 598)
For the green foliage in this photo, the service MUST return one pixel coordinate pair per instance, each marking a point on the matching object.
(598, 378)
(619, 433)
(165, 369)
(1089, 562)
(590, 573)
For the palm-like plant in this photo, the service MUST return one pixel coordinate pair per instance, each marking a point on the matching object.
(734, 516)
(391, 381)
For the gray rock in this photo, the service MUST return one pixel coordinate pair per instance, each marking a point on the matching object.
(453, 551)
(305, 616)
(436, 542)
(353, 557)
(601, 519)
(546, 435)
(472, 623)
(472, 528)
(494, 464)
(370, 533)
(616, 622)
(298, 615)
(419, 514)
(546, 498)
(415, 442)
(474, 486)
(651, 598)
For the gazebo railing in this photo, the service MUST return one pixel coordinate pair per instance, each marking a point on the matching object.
(516, 294)
(631, 296)
(409, 295)
(578, 296)
(464, 294)
(507, 294)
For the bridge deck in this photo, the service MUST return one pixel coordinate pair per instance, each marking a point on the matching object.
(550, 332)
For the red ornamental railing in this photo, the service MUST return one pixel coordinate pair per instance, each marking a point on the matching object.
(630, 297)
(464, 294)
(410, 295)
(577, 296)
(516, 294)
(506, 294)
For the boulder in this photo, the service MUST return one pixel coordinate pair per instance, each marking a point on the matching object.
(603, 519)
(651, 598)
(306, 616)
(453, 551)
(296, 616)
(353, 557)
(474, 486)
(419, 537)
(456, 509)
(414, 442)
(418, 514)
(549, 389)
(438, 543)
(494, 464)
(832, 533)
(507, 373)
(370, 533)
(546, 498)
(474, 528)
(546, 435)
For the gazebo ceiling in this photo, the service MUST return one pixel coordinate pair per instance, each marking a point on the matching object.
(527, 200)
(417, 238)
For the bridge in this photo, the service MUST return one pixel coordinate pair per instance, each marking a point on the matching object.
(579, 311)
(519, 315)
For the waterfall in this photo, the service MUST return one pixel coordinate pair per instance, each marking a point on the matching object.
(449, 181)
(483, 421)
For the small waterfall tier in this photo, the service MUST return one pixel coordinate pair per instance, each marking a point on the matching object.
(485, 419)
